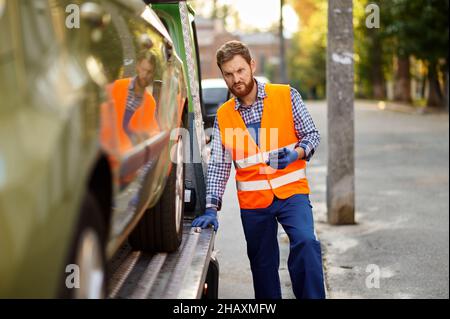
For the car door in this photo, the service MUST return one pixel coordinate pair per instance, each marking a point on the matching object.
(131, 54)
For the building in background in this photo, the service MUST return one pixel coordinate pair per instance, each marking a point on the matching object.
(265, 49)
(263, 45)
(211, 35)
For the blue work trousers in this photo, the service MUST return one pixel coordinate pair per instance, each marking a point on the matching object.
(304, 262)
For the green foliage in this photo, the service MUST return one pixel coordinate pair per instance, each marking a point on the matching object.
(307, 54)
(373, 49)
(418, 27)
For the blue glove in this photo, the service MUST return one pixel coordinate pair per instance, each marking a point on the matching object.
(282, 158)
(208, 218)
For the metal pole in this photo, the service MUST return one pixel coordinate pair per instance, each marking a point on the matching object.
(283, 75)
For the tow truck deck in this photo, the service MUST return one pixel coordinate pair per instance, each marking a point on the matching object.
(191, 272)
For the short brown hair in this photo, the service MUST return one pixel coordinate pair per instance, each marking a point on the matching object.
(230, 49)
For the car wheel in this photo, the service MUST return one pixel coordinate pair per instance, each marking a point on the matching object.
(161, 227)
(85, 271)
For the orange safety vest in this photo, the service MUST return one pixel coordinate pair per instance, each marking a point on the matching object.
(256, 182)
(144, 120)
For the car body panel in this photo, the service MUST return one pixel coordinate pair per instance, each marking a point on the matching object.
(55, 104)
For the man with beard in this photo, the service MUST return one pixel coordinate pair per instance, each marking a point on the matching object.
(269, 135)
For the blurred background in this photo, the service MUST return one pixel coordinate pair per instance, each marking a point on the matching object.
(399, 143)
(404, 60)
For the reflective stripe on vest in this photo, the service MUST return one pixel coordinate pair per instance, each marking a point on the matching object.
(274, 183)
(259, 158)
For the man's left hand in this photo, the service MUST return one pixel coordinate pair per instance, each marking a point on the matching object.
(285, 157)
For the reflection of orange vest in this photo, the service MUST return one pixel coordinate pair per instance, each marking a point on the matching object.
(256, 182)
(144, 118)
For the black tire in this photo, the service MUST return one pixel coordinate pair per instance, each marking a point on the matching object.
(160, 230)
(91, 227)
(212, 281)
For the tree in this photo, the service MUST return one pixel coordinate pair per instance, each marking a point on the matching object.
(215, 10)
(420, 28)
(409, 28)
(307, 54)
(370, 56)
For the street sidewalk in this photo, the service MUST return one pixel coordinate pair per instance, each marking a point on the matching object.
(399, 107)
(402, 212)
(399, 247)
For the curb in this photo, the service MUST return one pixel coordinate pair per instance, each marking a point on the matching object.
(408, 109)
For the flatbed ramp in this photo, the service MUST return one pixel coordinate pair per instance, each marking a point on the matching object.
(177, 275)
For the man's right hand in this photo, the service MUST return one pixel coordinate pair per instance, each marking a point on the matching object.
(208, 218)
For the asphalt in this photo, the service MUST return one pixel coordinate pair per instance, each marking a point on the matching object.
(399, 247)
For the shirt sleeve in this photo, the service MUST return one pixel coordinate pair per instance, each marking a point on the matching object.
(219, 168)
(305, 129)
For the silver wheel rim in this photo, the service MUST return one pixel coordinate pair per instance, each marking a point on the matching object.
(179, 185)
(90, 261)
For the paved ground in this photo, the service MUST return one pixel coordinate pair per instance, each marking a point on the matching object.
(402, 196)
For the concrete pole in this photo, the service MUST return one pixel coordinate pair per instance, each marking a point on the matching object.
(446, 89)
(340, 96)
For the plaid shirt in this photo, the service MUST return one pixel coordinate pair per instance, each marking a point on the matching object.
(219, 166)
(134, 101)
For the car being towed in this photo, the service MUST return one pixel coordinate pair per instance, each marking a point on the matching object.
(89, 118)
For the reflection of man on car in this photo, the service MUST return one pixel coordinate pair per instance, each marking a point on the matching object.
(135, 106)
(129, 116)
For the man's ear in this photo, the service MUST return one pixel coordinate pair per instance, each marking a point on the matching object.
(253, 66)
